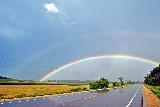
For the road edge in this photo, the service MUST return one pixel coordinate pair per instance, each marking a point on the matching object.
(144, 99)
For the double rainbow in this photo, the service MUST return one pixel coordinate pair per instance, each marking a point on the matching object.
(100, 57)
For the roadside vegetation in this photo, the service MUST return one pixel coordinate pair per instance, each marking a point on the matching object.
(115, 84)
(104, 83)
(154, 89)
(78, 89)
(152, 81)
(12, 88)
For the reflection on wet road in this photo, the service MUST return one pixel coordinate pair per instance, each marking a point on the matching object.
(129, 96)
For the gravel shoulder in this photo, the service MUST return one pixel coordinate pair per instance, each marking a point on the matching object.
(151, 98)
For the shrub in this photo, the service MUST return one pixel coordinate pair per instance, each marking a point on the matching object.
(102, 83)
(115, 84)
(84, 89)
(76, 90)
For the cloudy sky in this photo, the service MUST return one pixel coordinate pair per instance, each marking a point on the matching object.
(37, 36)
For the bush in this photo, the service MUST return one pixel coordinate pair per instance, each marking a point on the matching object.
(76, 90)
(84, 89)
(102, 83)
(115, 84)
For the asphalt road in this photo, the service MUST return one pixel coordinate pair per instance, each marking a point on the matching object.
(130, 96)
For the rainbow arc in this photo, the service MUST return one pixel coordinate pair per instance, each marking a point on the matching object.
(145, 60)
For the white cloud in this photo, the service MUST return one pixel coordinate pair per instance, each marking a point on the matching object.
(51, 7)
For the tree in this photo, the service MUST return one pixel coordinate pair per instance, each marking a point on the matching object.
(153, 78)
(131, 82)
(121, 80)
(102, 83)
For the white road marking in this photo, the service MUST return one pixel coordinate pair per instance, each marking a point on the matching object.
(44, 98)
(10, 102)
(58, 96)
(35, 99)
(19, 101)
(2, 103)
(27, 100)
(50, 97)
(132, 98)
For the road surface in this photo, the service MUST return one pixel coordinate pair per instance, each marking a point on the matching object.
(130, 96)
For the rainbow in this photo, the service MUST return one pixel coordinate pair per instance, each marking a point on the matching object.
(100, 57)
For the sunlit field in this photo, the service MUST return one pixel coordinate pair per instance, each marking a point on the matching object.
(20, 91)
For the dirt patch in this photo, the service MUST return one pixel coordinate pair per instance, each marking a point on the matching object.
(152, 99)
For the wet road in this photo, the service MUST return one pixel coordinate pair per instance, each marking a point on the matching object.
(130, 96)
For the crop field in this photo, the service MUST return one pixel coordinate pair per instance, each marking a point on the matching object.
(21, 91)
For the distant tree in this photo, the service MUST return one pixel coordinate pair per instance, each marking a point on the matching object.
(102, 83)
(131, 82)
(121, 80)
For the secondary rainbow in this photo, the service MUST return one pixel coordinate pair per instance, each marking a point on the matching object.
(100, 57)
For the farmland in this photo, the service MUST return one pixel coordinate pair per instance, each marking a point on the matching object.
(22, 91)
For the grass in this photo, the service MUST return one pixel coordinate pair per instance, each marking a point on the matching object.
(21, 91)
(78, 89)
(154, 89)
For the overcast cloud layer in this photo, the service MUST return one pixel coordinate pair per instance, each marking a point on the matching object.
(38, 36)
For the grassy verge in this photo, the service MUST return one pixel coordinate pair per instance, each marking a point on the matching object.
(78, 89)
(154, 89)
(22, 91)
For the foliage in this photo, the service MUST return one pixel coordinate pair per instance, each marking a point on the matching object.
(131, 82)
(84, 89)
(78, 89)
(115, 84)
(153, 78)
(102, 83)
(121, 80)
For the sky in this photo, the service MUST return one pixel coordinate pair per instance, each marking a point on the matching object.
(37, 36)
